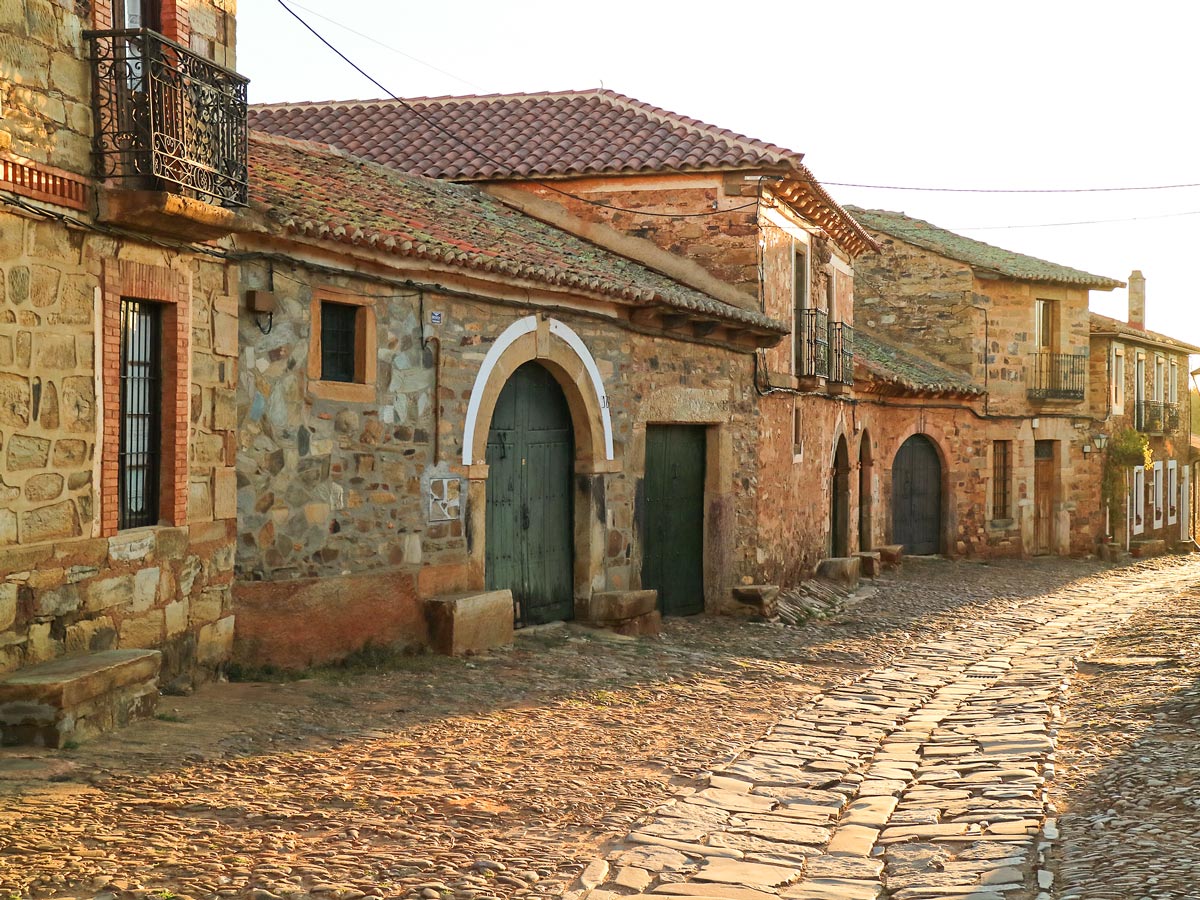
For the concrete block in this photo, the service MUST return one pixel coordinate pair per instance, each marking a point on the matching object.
(611, 607)
(471, 622)
(844, 569)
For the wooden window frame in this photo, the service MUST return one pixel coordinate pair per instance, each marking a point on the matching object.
(1002, 470)
(172, 290)
(1117, 388)
(1173, 383)
(1160, 378)
(366, 350)
(1045, 325)
(801, 287)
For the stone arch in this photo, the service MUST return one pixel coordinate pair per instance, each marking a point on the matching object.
(556, 346)
(839, 500)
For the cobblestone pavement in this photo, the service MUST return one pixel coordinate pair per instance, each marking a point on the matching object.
(1128, 791)
(908, 733)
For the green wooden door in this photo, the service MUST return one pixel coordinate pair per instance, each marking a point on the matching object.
(673, 536)
(529, 523)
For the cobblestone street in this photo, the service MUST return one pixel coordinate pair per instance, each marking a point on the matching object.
(904, 748)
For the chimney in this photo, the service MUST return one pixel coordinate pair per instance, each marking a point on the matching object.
(1137, 299)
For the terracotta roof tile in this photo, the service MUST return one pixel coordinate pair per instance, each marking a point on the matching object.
(977, 254)
(1106, 325)
(891, 365)
(546, 136)
(319, 192)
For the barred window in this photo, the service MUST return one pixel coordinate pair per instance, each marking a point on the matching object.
(799, 304)
(1001, 478)
(339, 327)
(140, 445)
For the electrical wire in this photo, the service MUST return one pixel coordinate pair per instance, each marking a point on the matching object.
(1194, 212)
(954, 190)
(432, 123)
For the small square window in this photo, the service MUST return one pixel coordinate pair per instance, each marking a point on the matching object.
(339, 336)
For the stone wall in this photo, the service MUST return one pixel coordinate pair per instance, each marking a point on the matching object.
(69, 582)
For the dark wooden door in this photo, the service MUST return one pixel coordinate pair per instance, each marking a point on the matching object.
(529, 522)
(917, 497)
(673, 545)
(1043, 495)
(839, 512)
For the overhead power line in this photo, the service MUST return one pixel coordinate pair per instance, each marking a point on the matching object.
(1194, 212)
(957, 190)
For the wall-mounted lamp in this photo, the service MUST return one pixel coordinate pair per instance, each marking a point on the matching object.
(1101, 440)
(262, 303)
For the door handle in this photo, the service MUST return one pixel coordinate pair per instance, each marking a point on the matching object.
(525, 516)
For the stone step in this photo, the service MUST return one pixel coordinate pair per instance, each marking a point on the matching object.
(891, 554)
(844, 569)
(460, 624)
(72, 699)
(1152, 547)
(872, 562)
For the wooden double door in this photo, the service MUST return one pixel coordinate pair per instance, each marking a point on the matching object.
(917, 497)
(673, 534)
(530, 526)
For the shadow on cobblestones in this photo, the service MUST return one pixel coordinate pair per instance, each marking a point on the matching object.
(494, 776)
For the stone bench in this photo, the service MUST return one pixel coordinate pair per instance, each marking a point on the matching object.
(1147, 548)
(755, 600)
(891, 555)
(625, 612)
(872, 562)
(843, 569)
(471, 622)
(72, 699)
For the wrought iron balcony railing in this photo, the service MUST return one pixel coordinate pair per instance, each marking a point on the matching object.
(168, 119)
(841, 356)
(1058, 376)
(812, 343)
(1156, 417)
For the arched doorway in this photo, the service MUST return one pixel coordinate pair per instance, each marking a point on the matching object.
(865, 470)
(917, 497)
(529, 518)
(839, 506)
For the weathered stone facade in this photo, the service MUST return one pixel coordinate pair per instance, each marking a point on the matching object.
(71, 583)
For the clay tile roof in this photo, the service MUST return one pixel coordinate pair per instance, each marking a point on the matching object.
(316, 191)
(977, 254)
(902, 370)
(1105, 325)
(545, 136)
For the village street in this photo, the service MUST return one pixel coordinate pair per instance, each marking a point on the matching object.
(911, 746)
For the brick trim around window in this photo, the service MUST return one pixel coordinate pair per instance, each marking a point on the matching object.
(172, 14)
(42, 182)
(366, 350)
(171, 288)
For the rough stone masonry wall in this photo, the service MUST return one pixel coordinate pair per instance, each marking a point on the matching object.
(334, 489)
(920, 301)
(67, 587)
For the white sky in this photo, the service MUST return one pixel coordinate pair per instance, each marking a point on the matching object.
(963, 93)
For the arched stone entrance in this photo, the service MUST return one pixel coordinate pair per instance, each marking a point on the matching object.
(839, 506)
(917, 497)
(866, 471)
(560, 359)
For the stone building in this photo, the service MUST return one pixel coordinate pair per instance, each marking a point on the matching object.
(451, 396)
(118, 331)
(1141, 382)
(1020, 473)
(747, 214)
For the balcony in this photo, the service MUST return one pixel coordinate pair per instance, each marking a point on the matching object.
(841, 358)
(168, 122)
(812, 345)
(1156, 417)
(1058, 376)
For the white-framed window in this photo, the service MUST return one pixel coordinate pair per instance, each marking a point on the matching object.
(1160, 370)
(1156, 494)
(1137, 504)
(1172, 492)
(1173, 384)
(1117, 384)
(1045, 322)
(802, 323)
(1185, 505)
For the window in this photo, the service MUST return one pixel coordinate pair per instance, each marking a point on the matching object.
(1117, 386)
(339, 333)
(1159, 378)
(1138, 506)
(1156, 493)
(342, 352)
(799, 303)
(1001, 478)
(1139, 392)
(140, 441)
(1044, 334)
(1173, 384)
(1172, 491)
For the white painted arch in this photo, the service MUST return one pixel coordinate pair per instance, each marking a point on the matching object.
(507, 338)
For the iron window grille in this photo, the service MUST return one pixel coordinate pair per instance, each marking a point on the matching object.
(1001, 477)
(139, 453)
(1156, 417)
(841, 356)
(168, 119)
(339, 331)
